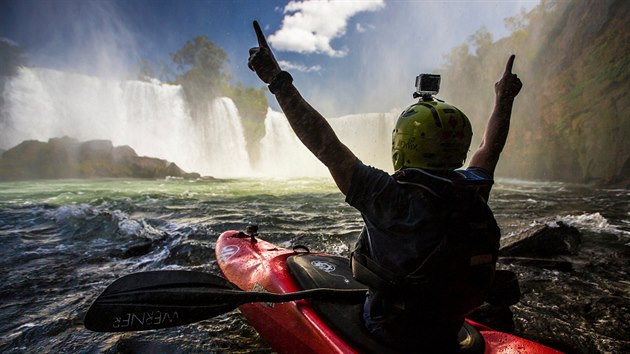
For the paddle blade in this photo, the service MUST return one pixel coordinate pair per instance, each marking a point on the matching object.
(160, 299)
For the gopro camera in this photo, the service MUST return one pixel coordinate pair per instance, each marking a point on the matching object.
(427, 85)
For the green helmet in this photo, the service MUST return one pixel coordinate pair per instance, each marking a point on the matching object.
(431, 135)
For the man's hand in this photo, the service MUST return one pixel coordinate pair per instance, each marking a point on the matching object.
(261, 59)
(510, 85)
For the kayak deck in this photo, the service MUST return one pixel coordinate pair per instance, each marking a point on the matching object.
(321, 326)
(262, 266)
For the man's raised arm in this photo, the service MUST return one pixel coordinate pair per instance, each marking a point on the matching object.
(487, 155)
(309, 126)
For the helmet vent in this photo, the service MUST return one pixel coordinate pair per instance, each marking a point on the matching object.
(408, 113)
(436, 116)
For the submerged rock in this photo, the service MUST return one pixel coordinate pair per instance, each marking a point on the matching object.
(137, 249)
(189, 253)
(68, 158)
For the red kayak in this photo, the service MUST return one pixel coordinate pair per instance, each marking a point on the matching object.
(317, 326)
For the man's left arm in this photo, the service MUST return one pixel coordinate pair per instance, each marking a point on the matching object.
(487, 155)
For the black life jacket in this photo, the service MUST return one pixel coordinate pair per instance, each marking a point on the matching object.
(454, 279)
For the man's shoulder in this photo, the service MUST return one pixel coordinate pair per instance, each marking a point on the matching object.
(363, 171)
(368, 180)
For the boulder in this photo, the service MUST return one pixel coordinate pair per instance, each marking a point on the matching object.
(547, 239)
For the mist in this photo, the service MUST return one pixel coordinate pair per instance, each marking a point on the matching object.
(109, 38)
(87, 37)
(404, 40)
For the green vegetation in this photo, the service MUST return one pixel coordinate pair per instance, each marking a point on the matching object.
(570, 120)
(252, 106)
(201, 69)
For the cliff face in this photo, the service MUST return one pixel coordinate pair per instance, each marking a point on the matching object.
(585, 103)
(571, 121)
(69, 158)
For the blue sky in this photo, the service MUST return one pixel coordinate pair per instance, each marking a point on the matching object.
(346, 56)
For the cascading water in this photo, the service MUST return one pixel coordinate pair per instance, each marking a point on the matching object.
(155, 120)
(367, 135)
(282, 154)
(152, 118)
(222, 136)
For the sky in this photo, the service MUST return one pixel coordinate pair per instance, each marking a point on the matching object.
(345, 56)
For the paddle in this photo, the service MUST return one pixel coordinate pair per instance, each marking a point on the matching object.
(161, 299)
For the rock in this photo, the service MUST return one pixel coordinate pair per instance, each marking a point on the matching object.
(68, 158)
(136, 250)
(189, 253)
(543, 240)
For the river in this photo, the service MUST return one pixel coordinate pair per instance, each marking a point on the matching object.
(64, 241)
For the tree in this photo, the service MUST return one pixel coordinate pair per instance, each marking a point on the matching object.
(148, 71)
(481, 40)
(202, 69)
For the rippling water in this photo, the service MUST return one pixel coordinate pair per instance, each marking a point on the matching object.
(64, 241)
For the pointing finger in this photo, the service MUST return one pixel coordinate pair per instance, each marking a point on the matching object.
(262, 42)
(509, 65)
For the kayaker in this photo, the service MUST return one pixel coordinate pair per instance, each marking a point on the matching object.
(429, 245)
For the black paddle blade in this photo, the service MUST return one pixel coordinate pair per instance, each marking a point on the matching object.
(160, 299)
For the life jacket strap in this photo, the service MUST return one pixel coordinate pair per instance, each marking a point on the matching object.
(370, 273)
(365, 275)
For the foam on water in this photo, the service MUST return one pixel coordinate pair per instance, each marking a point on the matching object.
(593, 222)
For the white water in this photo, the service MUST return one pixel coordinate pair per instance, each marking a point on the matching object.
(154, 120)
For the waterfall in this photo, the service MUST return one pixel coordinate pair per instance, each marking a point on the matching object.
(153, 118)
(282, 154)
(367, 135)
(223, 141)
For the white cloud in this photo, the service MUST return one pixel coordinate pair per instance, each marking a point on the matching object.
(310, 26)
(286, 65)
(8, 41)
